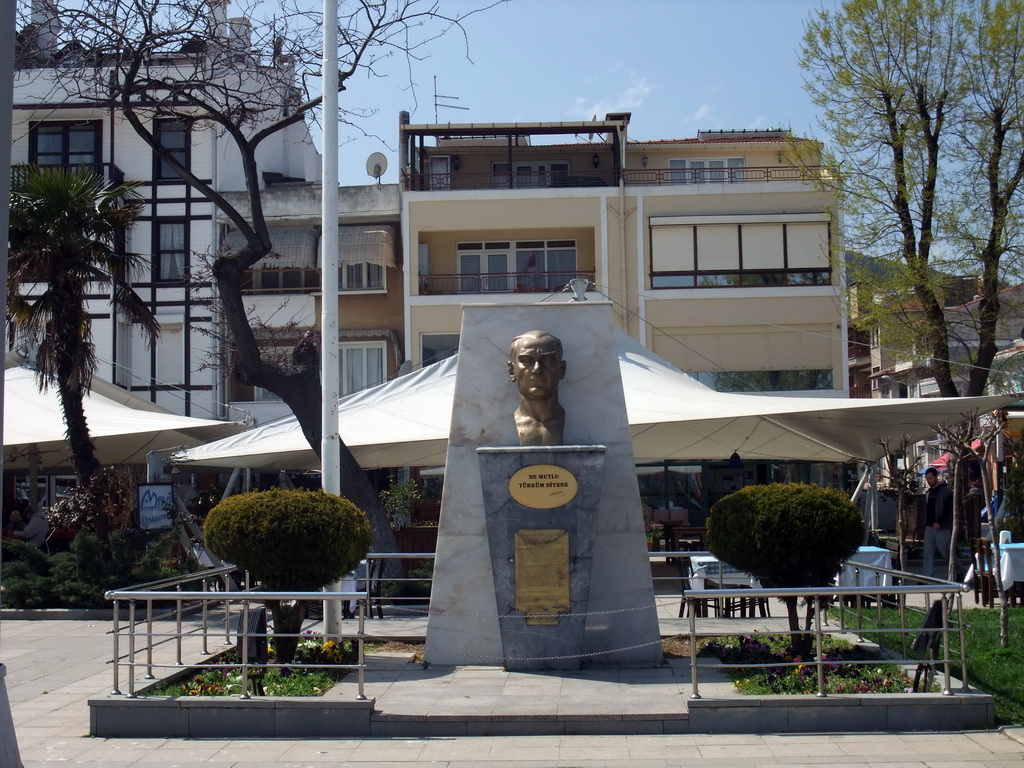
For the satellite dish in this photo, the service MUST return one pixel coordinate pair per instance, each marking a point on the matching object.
(376, 164)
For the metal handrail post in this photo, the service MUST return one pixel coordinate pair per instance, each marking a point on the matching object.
(206, 618)
(178, 621)
(131, 649)
(817, 646)
(149, 640)
(695, 693)
(963, 641)
(902, 602)
(947, 666)
(361, 695)
(244, 636)
(115, 691)
(227, 612)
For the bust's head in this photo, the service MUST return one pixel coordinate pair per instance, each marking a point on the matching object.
(535, 364)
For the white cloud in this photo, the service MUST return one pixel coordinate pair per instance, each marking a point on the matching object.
(631, 97)
(701, 113)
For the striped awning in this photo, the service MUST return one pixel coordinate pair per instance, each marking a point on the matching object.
(293, 247)
(369, 243)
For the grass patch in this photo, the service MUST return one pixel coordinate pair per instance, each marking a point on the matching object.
(991, 668)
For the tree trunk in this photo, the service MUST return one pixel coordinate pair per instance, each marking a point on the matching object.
(287, 626)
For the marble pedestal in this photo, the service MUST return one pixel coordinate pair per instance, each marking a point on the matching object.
(542, 549)
(620, 627)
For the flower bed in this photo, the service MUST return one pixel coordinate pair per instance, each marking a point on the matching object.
(848, 668)
(223, 676)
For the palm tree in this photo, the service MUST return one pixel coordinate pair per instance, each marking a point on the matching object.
(64, 224)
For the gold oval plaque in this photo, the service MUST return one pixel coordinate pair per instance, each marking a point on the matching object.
(543, 486)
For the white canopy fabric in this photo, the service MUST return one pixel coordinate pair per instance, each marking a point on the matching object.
(124, 428)
(405, 422)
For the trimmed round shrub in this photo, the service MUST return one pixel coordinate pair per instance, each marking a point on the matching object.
(785, 534)
(289, 540)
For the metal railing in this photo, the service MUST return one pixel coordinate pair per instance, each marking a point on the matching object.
(142, 638)
(189, 602)
(499, 282)
(604, 177)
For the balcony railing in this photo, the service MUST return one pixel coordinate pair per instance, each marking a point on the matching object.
(499, 282)
(458, 180)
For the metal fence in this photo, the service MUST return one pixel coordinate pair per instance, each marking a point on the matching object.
(859, 610)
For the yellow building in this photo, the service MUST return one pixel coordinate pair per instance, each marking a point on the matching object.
(715, 251)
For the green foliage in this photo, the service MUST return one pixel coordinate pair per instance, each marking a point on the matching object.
(226, 680)
(848, 668)
(785, 534)
(990, 668)
(397, 500)
(1012, 512)
(289, 540)
(80, 577)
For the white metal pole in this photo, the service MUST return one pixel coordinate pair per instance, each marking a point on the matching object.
(9, 755)
(330, 441)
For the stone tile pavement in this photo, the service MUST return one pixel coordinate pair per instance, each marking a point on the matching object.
(55, 666)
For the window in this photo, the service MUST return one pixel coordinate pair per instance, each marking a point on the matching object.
(174, 136)
(169, 250)
(361, 276)
(540, 265)
(362, 366)
(483, 267)
(525, 175)
(544, 265)
(435, 347)
(717, 251)
(683, 171)
(60, 143)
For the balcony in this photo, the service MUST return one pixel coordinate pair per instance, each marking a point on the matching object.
(651, 177)
(499, 282)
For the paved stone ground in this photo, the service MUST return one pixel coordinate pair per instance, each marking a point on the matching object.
(55, 666)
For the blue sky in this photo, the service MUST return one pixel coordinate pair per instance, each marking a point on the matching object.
(678, 65)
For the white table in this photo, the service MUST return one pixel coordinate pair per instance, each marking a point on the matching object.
(709, 569)
(857, 571)
(1011, 564)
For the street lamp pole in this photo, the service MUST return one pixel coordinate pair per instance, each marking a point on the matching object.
(330, 373)
(9, 755)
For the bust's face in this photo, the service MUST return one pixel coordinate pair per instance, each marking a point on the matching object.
(536, 366)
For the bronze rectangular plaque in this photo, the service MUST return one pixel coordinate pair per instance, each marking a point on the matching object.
(542, 574)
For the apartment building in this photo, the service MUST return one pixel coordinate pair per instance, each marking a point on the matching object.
(716, 251)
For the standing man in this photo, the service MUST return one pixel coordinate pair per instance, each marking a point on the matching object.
(938, 521)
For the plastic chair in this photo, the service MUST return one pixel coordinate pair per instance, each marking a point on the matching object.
(701, 606)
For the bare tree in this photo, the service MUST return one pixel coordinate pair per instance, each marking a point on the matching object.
(903, 479)
(248, 78)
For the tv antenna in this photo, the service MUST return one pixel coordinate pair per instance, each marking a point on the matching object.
(438, 104)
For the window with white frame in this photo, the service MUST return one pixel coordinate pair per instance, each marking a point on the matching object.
(544, 265)
(362, 365)
(484, 267)
(362, 276)
(705, 170)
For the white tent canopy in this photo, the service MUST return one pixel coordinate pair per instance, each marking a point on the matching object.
(124, 428)
(405, 422)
